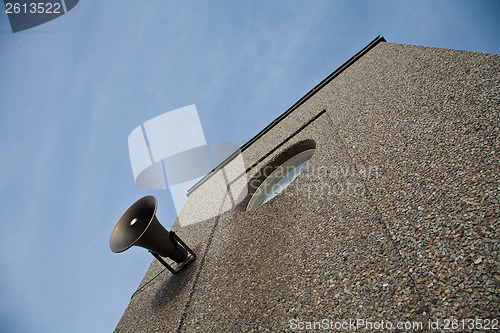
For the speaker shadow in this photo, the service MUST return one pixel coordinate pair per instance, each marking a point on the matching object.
(174, 285)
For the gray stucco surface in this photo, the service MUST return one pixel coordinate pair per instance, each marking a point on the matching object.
(395, 217)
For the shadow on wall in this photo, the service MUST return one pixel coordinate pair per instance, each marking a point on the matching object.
(173, 285)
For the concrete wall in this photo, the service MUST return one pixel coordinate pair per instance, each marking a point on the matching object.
(395, 217)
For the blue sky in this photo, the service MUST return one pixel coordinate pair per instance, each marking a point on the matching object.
(73, 89)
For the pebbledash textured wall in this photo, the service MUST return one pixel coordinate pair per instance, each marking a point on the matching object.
(395, 218)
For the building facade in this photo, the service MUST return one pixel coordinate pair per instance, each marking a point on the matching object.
(394, 219)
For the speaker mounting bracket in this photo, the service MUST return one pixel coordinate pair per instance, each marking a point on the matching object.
(191, 255)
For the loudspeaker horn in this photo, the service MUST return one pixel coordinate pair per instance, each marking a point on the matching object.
(139, 226)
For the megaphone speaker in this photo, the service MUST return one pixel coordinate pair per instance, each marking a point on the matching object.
(139, 226)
